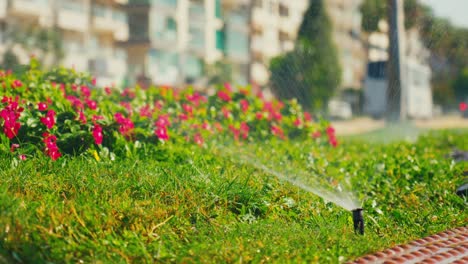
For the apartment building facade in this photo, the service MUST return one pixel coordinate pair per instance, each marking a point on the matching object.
(416, 74)
(171, 41)
(274, 27)
(346, 18)
(89, 30)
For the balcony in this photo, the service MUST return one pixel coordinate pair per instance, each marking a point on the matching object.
(3, 9)
(30, 8)
(72, 16)
(102, 19)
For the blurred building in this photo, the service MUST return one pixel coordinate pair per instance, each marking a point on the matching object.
(274, 27)
(89, 31)
(416, 88)
(171, 41)
(346, 18)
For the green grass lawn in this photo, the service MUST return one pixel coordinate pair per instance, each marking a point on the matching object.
(200, 206)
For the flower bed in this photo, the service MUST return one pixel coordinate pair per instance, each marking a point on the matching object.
(63, 112)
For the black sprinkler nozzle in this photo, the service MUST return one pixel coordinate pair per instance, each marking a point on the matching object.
(358, 221)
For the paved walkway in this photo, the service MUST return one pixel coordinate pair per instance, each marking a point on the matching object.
(446, 247)
(365, 124)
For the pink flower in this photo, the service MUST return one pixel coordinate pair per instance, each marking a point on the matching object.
(16, 84)
(183, 117)
(463, 106)
(244, 130)
(235, 131)
(85, 91)
(297, 122)
(277, 115)
(332, 140)
(223, 95)
(145, 111)
(316, 134)
(330, 131)
(10, 114)
(226, 112)
(108, 90)
(96, 118)
(161, 133)
(91, 104)
(277, 131)
(187, 108)
(244, 105)
(49, 119)
(14, 147)
(75, 102)
(307, 117)
(82, 117)
(163, 121)
(206, 126)
(97, 134)
(22, 157)
(51, 148)
(259, 115)
(228, 86)
(42, 106)
(198, 139)
(126, 125)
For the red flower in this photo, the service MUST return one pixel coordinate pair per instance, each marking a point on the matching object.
(126, 124)
(16, 84)
(206, 126)
(22, 157)
(183, 117)
(97, 134)
(85, 91)
(235, 131)
(161, 133)
(244, 105)
(244, 130)
(332, 140)
(218, 126)
(228, 86)
(163, 121)
(10, 115)
(297, 122)
(463, 106)
(330, 131)
(82, 117)
(187, 108)
(226, 112)
(42, 106)
(259, 115)
(51, 148)
(277, 131)
(14, 147)
(96, 118)
(145, 111)
(316, 134)
(49, 119)
(75, 102)
(91, 104)
(108, 90)
(277, 115)
(223, 95)
(307, 117)
(198, 139)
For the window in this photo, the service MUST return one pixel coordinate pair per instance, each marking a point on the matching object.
(220, 40)
(283, 10)
(257, 3)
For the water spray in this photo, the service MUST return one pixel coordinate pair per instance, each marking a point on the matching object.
(358, 221)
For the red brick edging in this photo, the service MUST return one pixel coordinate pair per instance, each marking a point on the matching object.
(446, 247)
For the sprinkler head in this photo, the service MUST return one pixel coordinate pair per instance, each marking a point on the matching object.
(358, 221)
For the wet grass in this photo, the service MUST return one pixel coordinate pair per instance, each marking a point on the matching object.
(193, 206)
